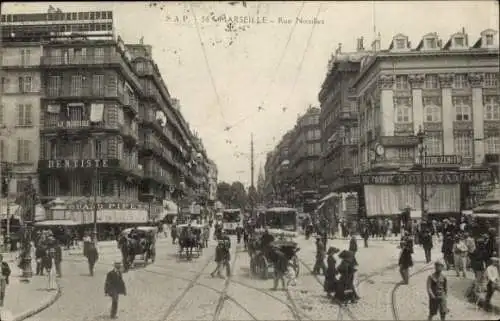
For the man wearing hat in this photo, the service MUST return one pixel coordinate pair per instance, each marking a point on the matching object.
(493, 280)
(437, 289)
(319, 265)
(114, 286)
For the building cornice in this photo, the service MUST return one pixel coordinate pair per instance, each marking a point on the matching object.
(381, 56)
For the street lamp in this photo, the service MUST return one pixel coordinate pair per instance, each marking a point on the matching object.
(5, 192)
(29, 199)
(422, 153)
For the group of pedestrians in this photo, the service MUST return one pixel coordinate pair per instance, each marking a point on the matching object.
(466, 246)
(48, 257)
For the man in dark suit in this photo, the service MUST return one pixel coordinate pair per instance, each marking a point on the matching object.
(114, 286)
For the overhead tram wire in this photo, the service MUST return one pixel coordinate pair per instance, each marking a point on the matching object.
(303, 57)
(275, 72)
(203, 49)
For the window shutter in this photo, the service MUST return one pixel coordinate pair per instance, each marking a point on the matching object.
(20, 114)
(19, 150)
(21, 84)
(28, 115)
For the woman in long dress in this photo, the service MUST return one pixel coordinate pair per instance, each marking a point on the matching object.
(405, 258)
(49, 267)
(331, 271)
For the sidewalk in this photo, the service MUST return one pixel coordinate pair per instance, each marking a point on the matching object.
(23, 300)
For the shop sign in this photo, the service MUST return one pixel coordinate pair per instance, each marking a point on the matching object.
(429, 178)
(443, 160)
(76, 163)
(106, 206)
(398, 141)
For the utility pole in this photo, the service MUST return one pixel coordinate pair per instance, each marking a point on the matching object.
(252, 187)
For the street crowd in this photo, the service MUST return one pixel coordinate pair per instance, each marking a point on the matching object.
(469, 247)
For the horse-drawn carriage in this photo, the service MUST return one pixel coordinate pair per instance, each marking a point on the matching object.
(138, 241)
(190, 240)
(282, 224)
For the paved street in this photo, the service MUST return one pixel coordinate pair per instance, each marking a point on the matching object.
(172, 289)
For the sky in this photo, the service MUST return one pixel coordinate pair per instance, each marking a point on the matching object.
(257, 76)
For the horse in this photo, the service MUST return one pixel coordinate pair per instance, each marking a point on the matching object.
(188, 243)
(129, 248)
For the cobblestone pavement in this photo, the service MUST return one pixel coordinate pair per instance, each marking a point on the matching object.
(173, 289)
(418, 309)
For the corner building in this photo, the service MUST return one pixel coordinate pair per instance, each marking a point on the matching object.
(451, 91)
(109, 130)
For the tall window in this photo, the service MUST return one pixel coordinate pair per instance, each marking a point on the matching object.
(98, 149)
(24, 115)
(25, 84)
(1, 115)
(491, 108)
(431, 82)
(76, 150)
(3, 151)
(76, 112)
(406, 153)
(402, 82)
(460, 81)
(492, 145)
(54, 86)
(5, 81)
(434, 145)
(25, 57)
(432, 112)
(491, 80)
(403, 114)
(23, 150)
(403, 110)
(462, 107)
(98, 85)
(463, 144)
(51, 150)
(76, 85)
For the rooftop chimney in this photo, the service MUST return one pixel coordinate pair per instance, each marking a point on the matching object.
(360, 45)
(339, 49)
(376, 43)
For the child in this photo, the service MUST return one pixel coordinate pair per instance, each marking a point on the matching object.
(437, 288)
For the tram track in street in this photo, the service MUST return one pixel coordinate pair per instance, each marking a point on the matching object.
(171, 273)
(394, 305)
(361, 280)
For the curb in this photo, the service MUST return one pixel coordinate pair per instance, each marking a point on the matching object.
(50, 301)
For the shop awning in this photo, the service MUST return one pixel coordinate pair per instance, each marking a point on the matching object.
(56, 223)
(491, 203)
(329, 196)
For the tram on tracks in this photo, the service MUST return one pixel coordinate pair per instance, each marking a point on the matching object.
(281, 223)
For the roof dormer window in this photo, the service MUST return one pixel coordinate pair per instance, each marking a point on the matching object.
(489, 40)
(430, 43)
(459, 41)
(400, 43)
